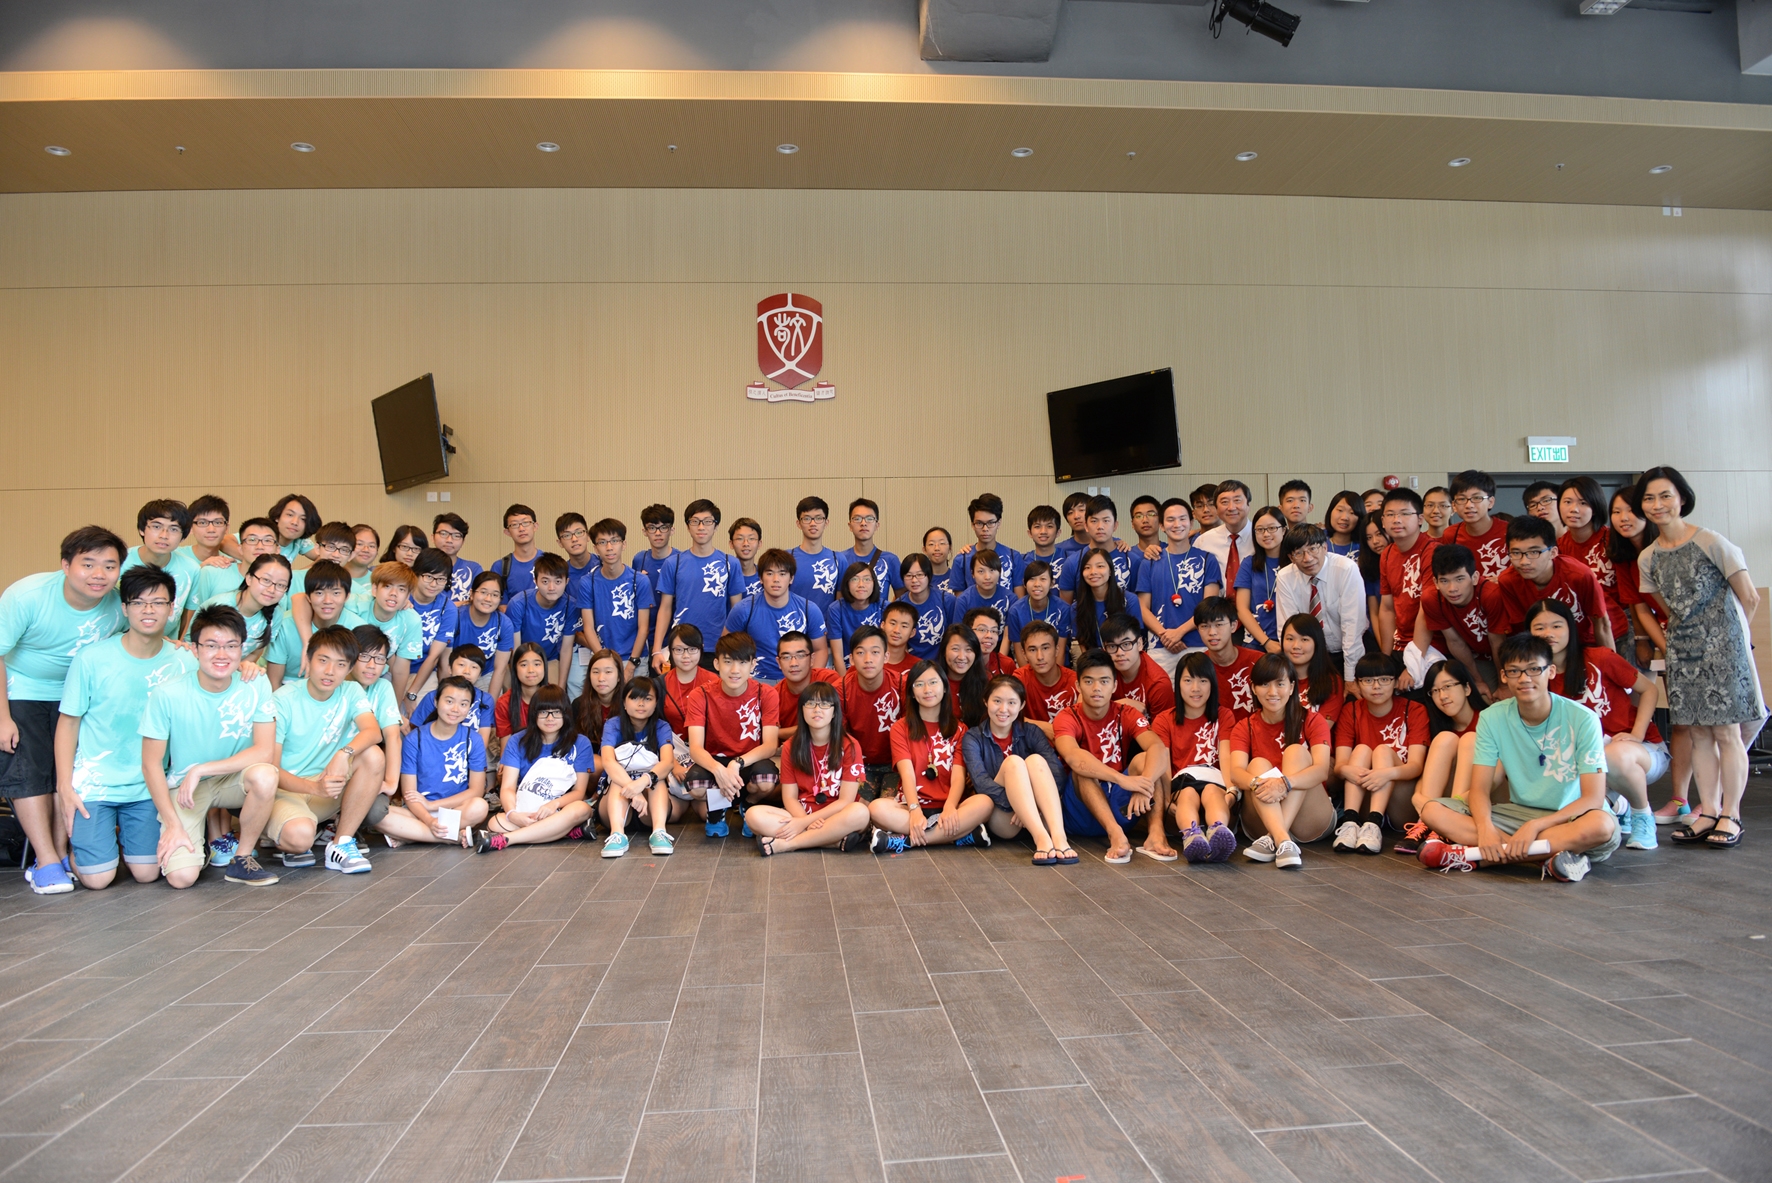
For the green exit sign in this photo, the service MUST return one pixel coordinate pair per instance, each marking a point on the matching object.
(1547, 453)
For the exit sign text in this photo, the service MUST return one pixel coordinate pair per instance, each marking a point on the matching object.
(1547, 453)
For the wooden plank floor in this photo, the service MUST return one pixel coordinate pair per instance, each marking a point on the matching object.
(542, 1014)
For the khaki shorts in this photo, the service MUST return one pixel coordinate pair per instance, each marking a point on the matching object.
(1508, 817)
(213, 792)
(290, 806)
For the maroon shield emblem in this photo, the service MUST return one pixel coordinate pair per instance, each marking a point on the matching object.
(790, 338)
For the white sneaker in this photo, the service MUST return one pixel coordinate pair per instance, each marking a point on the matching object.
(1371, 840)
(1261, 850)
(346, 857)
(1347, 836)
(1287, 858)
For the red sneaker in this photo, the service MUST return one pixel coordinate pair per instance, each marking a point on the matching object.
(1440, 855)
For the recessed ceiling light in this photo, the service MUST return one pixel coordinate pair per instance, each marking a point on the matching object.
(302, 146)
(670, 147)
(547, 146)
(1130, 155)
(58, 150)
(1245, 157)
(1021, 153)
(787, 149)
(1662, 168)
(1460, 162)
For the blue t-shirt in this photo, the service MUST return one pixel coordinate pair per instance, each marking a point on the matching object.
(1057, 613)
(816, 575)
(437, 620)
(615, 606)
(843, 619)
(518, 574)
(933, 617)
(1121, 560)
(1544, 764)
(884, 563)
(1176, 584)
(1009, 579)
(484, 708)
(753, 583)
(558, 771)
(765, 624)
(700, 590)
(40, 633)
(1347, 550)
(442, 765)
(579, 577)
(496, 636)
(949, 582)
(637, 755)
(648, 566)
(544, 626)
(1002, 600)
(461, 579)
(1055, 560)
(1259, 583)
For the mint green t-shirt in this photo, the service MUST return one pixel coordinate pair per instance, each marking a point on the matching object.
(293, 550)
(255, 621)
(200, 727)
(106, 690)
(40, 633)
(406, 632)
(217, 581)
(184, 569)
(1545, 763)
(362, 585)
(381, 701)
(311, 731)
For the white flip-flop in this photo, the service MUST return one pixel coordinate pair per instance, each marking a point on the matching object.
(1162, 858)
(1120, 861)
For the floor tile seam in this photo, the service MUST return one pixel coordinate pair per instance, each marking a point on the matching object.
(867, 1085)
(1656, 1175)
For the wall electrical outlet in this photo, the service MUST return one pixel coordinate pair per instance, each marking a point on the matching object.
(431, 495)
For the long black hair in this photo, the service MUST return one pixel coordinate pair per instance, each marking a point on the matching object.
(637, 687)
(973, 681)
(1321, 677)
(1369, 558)
(1575, 656)
(800, 748)
(514, 706)
(592, 713)
(1197, 664)
(415, 534)
(1113, 595)
(1437, 719)
(267, 615)
(453, 682)
(1271, 667)
(550, 698)
(1621, 550)
(1354, 503)
(944, 721)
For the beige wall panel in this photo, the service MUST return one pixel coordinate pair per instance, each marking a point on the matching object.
(591, 348)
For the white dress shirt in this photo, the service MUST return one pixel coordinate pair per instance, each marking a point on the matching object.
(1217, 543)
(1342, 593)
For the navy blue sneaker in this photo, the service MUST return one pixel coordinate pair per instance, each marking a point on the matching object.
(245, 869)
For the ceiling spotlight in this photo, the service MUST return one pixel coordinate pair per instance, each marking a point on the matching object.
(1130, 155)
(302, 146)
(787, 149)
(1245, 157)
(1601, 7)
(58, 150)
(1458, 162)
(1661, 168)
(547, 146)
(670, 147)
(1021, 153)
(1260, 16)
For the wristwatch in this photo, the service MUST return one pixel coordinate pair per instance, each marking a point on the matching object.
(411, 697)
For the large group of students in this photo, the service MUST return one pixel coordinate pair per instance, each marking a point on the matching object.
(1485, 687)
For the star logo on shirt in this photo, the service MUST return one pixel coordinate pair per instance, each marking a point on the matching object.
(455, 763)
(941, 751)
(84, 767)
(460, 582)
(1242, 698)
(929, 627)
(161, 674)
(1476, 622)
(1594, 696)
(1557, 749)
(1058, 702)
(791, 621)
(1190, 575)
(1393, 734)
(886, 709)
(621, 601)
(750, 720)
(1412, 576)
(1566, 595)
(824, 576)
(1109, 739)
(235, 713)
(89, 632)
(553, 626)
(713, 580)
(1206, 745)
(428, 623)
(488, 639)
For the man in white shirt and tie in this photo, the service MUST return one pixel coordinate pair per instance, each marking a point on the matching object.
(1230, 542)
(1326, 586)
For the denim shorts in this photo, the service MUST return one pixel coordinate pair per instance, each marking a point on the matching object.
(93, 843)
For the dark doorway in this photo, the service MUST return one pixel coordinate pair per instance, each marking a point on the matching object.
(1510, 487)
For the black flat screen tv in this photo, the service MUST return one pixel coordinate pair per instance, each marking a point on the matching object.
(1121, 425)
(409, 433)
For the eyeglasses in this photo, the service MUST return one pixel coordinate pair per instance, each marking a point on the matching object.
(812, 517)
(1515, 672)
(1270, 529)
(575, 532)
(1543, 501)
(864, 519)
(1376, 681)
(703, 521)
(258, 540)
(151, 603)
(1448, 688)
(270, 584)
(514, 523)
(1397, 515)
(655, 527)
(1527, 555)
(209, 521)
(373, 658)
(408, 546)
(1123, 645)
(212, 647)
(449, 535)
(1470, 499)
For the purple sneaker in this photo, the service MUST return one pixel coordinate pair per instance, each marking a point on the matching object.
(1194, 845)
(1222, 842)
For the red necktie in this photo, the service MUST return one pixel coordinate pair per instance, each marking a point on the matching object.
(1231, 562)
(1316, 604)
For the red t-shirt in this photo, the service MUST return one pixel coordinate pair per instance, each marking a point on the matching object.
(1473, 621)
(903, 668)
(1331, 710)
(821, 786)
(1490, 548)
(931, 758)
(1606, 691)
(1150, 685)
(1258, 739)
(868, 715)
(733, 725)
(1234, 692)
(1401, 576)
(1192, 741)
(1404, 726)
(1045, 703)
(676, 695)
(1112, 739)
(1570, 583)
(998, 663)
(1630, 592)
(1593, 554)
(787, 702)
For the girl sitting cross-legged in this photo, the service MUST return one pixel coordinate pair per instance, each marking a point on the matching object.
(820, 779)
(544, 769)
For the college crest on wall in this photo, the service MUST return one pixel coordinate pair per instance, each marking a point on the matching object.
(790, 349)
